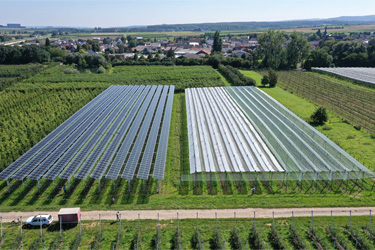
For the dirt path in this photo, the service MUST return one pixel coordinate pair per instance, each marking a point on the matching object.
(204, 214)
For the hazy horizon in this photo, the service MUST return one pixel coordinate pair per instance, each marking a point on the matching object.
(115, 13)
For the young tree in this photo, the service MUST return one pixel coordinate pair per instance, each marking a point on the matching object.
(170, 53)
(218, 45)
(272, 49)
(298, 49)
(272, 76)
(319, 116)
(48, 42)
(265, 80)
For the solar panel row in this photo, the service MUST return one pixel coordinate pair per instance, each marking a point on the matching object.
(86, 139)
(15, 166)
(86, 129)
(148, 154)
(161, 154)
(109, 153)
(122, 154)
(135, 154)
(108, 134)
(103, 138)
(44, 153)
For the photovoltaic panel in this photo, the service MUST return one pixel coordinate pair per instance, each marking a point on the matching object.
(9, 171)
(161, 154)
(135, 154)
(120, 158)
(148, 155)
(119, 135)
(44, 153)
(87, 139)
(87, 128)
(97, 152)
(95, 130)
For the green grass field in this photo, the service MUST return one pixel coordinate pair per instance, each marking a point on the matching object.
(207, 227)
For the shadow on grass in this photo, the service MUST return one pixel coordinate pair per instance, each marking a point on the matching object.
(44, 185)
(86, 189)
(24, 192)
(13, 186)
(68, 194)
(55, 192)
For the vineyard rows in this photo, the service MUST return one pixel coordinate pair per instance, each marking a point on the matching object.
(283, 233)
(355, 104)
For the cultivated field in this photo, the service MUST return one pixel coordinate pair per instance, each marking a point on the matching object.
(282, 233)
(181, 77)
(353, 103)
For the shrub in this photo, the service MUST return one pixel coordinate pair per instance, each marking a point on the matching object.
(216, 242)
(319, 116)
(195, 241)
(326, 127)
(255, 241)
(235, 240)
(100, 70)
(265, 80)
(235, 76)
(272, 78)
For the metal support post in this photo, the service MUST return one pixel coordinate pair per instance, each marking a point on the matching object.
(157, 243)
(273, 219)
(80, 224)
(235, 221)
(254, 219)
(120, 223)
(99, 185)
(331, 220)
(370, 222)
(312, 220)
(21, 226)
(293, 220)
(1, 221)
(60, 224)
(197, 221)
(350, 220)
(8, 185)
(139, 223)
(178, 224)
(100, 224)
(38, 187)
(216, 222)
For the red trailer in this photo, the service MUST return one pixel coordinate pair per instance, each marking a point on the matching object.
(69, 215)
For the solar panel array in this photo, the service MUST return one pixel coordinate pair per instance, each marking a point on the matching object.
(107, 137)
(355, 73)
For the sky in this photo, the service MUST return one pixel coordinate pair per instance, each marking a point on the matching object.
(121, 13)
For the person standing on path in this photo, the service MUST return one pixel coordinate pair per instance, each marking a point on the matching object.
(113, 200)
(118, 215)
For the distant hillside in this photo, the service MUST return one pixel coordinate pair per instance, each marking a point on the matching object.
(344, 20)
(370, 19)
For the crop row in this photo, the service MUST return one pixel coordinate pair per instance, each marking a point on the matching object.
(354, 103)
(180, 76)
(281, 233)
